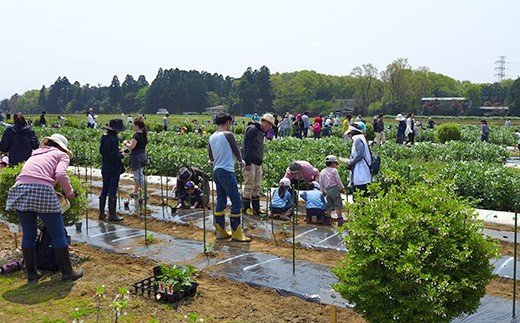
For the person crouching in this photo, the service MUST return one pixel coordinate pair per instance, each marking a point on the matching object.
(315, 204)
(192, 196)
(282, 201)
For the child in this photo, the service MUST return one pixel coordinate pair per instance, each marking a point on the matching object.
(192, 197)
(314, 203)
(331, 186)
(317, 130)
(281, 204)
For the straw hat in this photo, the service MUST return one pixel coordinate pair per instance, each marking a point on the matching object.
(58, 139)
(268, 117)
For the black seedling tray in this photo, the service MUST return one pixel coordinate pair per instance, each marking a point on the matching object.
(148, 288)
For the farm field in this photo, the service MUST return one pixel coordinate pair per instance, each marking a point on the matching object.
(465, 166)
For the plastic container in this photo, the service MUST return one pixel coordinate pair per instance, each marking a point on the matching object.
(148, 288)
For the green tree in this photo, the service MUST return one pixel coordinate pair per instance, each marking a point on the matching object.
(514, 98)
(416, 254)
(42, 99)
(115, 93)
(265, 89)
(366, 86)
(397, 86)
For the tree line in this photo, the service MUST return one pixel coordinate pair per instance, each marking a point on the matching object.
(396, 89)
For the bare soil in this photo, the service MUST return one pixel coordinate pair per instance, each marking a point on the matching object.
(218, 299)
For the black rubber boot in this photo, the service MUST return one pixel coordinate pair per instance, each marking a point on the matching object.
(63, 258)
(29, 258)
(255, 202)
(112, 216)
(102, 204)
(246, 206)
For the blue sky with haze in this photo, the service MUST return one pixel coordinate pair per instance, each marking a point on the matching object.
(90, 41)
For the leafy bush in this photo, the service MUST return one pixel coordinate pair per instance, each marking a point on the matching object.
(415, 254)
(77, 208)
(494, 187)
(448, 132)
(498, 135)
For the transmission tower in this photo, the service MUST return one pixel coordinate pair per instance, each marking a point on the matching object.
(501, 68)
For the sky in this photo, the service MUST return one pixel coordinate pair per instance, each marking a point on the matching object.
(91, 41)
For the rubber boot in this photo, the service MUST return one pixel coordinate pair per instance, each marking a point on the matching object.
(220, 226)
(63, 259)
(29, 258)
(112, 216)
(237, 234)
(246, 206)
(102, 204)
(327, 221)
(255, 202)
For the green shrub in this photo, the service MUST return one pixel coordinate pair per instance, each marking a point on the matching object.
(447, 132)
(78, 205)
(494, 187)
(415, 254)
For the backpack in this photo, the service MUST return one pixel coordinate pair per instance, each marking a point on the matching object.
(376, 162)
(45, 258)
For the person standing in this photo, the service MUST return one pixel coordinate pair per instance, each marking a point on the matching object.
(138, 156)
(33, 197)
(346, 123)
(306, 124)
(275, 126)
(360, 158)
(42, 122)
(298, 126)
(165, 122)
(379, 129)
(285, 126)
(401, 128)
(332, 187)
(111, 169)
(410, 129)
(431, 123)
(484, 129)
(221, 149)
(254, 156)
(18, 140)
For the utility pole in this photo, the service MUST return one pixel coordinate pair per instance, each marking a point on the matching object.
(500, 68)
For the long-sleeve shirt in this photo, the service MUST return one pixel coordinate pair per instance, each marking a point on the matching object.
(308, 172)
(254, 145)
(329, 177)
(281, 202)
(110, 156)
(314, 199)
(47, 166)
(19, 142)
(221, 148)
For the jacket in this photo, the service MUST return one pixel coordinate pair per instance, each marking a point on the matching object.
(47, 166)
(314, 199)
(111, 164)
(254, 145)
(359, 160)
(19, 142)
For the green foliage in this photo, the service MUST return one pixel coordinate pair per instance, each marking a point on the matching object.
(494, 187)
(77, 206)
(179, 277)
(415, 254)
(448, 132)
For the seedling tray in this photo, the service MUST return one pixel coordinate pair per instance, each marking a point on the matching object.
(148, 288)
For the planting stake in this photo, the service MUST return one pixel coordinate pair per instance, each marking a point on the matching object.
(162, 198)
(15, 241)
(167, 180)
(86, 212)
(333, 314)
(295, 217)
(269, 201)
(204, 186)
(145, 195)
(514, 267)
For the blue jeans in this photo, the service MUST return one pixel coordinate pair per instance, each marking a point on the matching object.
(110, 184)
(227, 186)
(52, 221)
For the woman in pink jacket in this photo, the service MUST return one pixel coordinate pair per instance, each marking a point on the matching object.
(33, 196)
